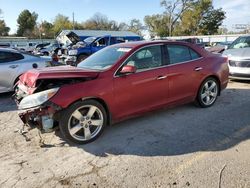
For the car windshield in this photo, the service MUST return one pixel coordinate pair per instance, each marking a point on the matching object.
(104, 58)
(89, 40)
(241, 42)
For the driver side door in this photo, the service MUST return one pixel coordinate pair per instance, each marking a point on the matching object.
(145, 89)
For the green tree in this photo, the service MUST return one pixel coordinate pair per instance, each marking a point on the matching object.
(101, 22)
(174, 10)
(46, 29)
(202, 18)
(26, 23)
(135, 26)
(61, 22)
(4, 30)
(212, 21)
(157, 25)
(77, 25)
(185, 17)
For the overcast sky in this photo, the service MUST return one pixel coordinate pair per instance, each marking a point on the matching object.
(237, 11)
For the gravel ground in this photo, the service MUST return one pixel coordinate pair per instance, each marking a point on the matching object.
(184, 146)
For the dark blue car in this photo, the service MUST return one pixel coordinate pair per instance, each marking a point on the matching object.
(90, 45)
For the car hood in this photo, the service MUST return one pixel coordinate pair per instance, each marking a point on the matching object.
(240, 53)
(61, 72)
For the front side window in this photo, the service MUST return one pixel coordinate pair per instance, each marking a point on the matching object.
(179, 54)
(100, 42)
(146, 58)
(10, 56)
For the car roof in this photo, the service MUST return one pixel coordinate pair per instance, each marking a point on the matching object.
(145, 43)
(139, 44)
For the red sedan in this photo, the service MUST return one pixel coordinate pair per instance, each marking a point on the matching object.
(119, 82)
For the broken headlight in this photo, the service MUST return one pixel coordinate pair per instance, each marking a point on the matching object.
(37, 99)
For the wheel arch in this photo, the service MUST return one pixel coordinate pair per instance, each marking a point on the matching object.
(102, 102)
(216, 78)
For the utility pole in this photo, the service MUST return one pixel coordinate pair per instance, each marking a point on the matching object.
(73, 21)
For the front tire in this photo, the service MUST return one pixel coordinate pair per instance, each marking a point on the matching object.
(83, 121)
(208, 93)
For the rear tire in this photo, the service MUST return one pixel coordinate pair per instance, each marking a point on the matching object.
(208, 93)
(83, 121)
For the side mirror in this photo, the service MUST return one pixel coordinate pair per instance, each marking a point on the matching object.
(128, 69)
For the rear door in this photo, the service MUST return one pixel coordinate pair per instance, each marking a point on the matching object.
(10, 64)
(145, 89)
(185, 72)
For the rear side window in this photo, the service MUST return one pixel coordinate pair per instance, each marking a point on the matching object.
(179, 54)
(194, 54)
(10, 56)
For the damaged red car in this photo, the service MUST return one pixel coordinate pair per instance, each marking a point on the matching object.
(119, 82)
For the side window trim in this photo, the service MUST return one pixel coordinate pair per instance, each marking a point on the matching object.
(123, 63)
(182, 62)
(11, 57)
(166, 59)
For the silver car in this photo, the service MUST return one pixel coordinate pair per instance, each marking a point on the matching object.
(238, 54)
(13, 63)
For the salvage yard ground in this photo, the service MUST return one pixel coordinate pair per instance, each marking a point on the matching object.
(181, 147)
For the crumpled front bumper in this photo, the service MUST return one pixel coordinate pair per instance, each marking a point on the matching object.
(42, 117)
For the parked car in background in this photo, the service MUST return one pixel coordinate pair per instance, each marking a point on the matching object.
(90, 45)
(238, 54)
(219, 47)
(48, 50)
(196, 41)
(5, 45)
(28, 47)
(14, 63)
(119, 82)
(41, 45)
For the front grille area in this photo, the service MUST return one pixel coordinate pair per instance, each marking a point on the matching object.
(240, 63)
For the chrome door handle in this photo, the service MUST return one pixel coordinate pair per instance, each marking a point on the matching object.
(161, 77)
(13, 66)
(198, 68)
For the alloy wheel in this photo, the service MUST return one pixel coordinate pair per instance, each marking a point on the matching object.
(85, 122)
(209, 92)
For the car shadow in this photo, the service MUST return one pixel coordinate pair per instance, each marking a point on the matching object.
(181, 130)
(6, 102)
